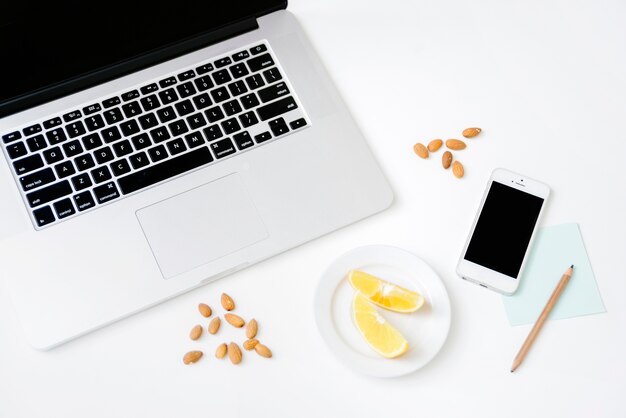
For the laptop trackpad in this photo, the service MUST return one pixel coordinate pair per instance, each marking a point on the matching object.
(201, 225)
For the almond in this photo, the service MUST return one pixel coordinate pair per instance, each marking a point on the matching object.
(234, 353)
(457, 169)
(446, 159)
(455, 144)
(252, 328)
(221, 350)
(214, 325)
(420, 150)
(227, 302)
(262, 350)
(195, 332)
(192, 357)
(471, 132)
(205, 310)
(234, 320)
(250, 344)
(434, 145)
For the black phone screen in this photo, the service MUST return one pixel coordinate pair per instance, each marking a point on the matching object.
(504, 229)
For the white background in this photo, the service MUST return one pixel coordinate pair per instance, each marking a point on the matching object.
(547, 83)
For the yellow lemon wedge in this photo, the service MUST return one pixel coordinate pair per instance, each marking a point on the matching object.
(382, 337)
(384, 294)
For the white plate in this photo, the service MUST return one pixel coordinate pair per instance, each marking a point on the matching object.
(426, 330)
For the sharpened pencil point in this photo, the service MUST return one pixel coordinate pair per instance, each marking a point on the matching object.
(572, 266)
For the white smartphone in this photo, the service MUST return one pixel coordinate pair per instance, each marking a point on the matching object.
(503, 230)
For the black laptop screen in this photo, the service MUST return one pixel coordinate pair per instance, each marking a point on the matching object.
(46, 43)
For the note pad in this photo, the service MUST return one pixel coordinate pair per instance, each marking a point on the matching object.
(554, 250)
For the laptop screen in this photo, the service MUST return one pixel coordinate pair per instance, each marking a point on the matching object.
(46, 43)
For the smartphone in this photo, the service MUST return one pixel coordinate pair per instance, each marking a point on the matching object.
(501, 236)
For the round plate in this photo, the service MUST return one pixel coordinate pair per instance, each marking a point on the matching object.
(426, 329)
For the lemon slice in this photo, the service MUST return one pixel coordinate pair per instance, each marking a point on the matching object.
(382, 337)
(384, 294)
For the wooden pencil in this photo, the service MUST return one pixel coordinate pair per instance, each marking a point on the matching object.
(542, 318)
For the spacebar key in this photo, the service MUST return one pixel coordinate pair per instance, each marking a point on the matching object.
(165, 170)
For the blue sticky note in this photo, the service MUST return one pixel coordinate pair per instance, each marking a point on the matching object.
(555, 248)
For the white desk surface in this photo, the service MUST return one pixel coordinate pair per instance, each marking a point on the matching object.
(547, 83)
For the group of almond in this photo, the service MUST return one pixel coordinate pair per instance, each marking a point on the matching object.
(447, 157)
(232, 349)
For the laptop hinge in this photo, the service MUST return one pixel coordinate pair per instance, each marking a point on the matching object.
(126, 67)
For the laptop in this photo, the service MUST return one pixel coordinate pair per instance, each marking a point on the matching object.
(150, 149)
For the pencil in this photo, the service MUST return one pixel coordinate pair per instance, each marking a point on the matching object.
(542, 318)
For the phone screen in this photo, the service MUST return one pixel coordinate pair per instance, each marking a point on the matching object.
(504, 229)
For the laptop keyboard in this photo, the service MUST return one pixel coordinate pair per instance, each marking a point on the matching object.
(78, 161)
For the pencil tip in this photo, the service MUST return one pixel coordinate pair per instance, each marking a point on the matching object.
(572, 266)
(512, 370)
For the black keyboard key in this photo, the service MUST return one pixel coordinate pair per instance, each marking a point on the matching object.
(111, 102)
(262, 137)
(64, 169)
(120, 167)
(27, 164)
(237, 88)
(255, 81)
(113, 116)
(194, 139)
(223, 62)
(49, 193)
(231, 108)
(31, 130)
(148, 121)
(68, 117)
(75, 129)
(36, 143)
(101, 174)
(94, 122)
(221, 77)
(64, 208)
(111, 134)
(240, 56)
(10, 137)
(133, 94)
(203, 69)
(37, 179)
(141, 141)
(168, 96)
(260, 62)
(202, 100)
(92, 141)
(249, 101)
(166, 82)
(186, 89)
(214, 114)
(278, 126)
(273, 92)
(272, 75)
(149, 88)
(106, 192)
(239, 70)
(44, 216)
(204, 83)
(176, 146)
(157, 153)
(139, 160)
(53, 123)
(230, 125)
(178, 127)
(52, 155)
(248, 119)
(298, 123)
(258, 49)
(88, 110)
(213, 132)
(123, 148)
(81, 181)
(84, 162)
(222, 148)
(16, 150)
(184, 108)
(165, 170)
(243, 140)
(132, 109)
(160, 134)
(196, 121)
(56, 136)
(166, 114)
(186, 75)
(84, 201)
(220, 94)
(72, 148)
(277, 108)
(103, 155)
(129, 127)
(150, 102)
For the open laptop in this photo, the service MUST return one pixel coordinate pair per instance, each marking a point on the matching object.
(148, 149)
